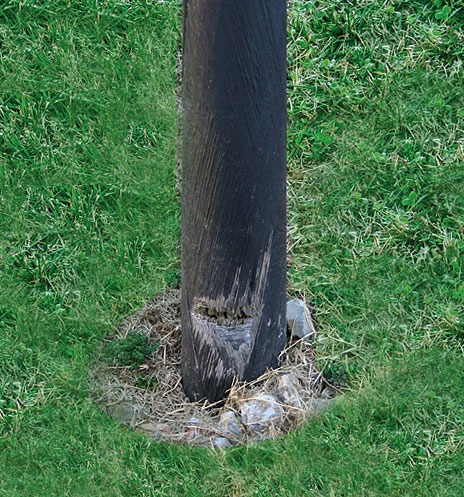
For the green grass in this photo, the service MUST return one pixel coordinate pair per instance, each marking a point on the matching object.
(89, 232)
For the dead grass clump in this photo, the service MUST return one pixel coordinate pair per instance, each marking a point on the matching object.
(149, 396)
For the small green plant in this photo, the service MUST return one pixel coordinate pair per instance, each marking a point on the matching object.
(130, 351)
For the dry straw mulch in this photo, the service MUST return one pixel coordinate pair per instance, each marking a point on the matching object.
(150, 398)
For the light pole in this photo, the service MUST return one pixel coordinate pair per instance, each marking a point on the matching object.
(233, 192)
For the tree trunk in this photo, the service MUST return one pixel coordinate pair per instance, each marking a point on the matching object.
(233, 192)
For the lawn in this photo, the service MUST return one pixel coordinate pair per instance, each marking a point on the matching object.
(89, 224)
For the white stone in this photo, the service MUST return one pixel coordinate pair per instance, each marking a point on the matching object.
(289, 390)
(229, 426)
(221, 443)
(300, 321)
(262, 413)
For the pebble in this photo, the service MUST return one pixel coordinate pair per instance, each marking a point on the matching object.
(261, 413)
(289, 390)
(300, 321)
(230, 426)
(221, 443)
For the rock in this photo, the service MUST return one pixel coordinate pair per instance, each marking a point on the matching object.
(300, 321)
(221, 443)
(289, 390)
(230, 426)
(261, 413)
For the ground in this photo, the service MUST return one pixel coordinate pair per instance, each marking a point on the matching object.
(140, 384)
(89, 234)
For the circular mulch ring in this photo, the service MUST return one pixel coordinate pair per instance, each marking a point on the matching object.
(149, 397)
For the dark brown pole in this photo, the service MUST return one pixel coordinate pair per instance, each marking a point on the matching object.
(233, 192)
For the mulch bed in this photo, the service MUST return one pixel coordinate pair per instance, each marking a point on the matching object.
(149, 398)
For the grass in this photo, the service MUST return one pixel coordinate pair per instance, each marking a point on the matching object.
(89, 233)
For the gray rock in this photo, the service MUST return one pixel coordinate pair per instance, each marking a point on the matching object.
(300, 321)
(230, 426)
(288, 390)
(221, 443)
(262, 413)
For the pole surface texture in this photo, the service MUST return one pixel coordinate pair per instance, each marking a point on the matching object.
(233, 192)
